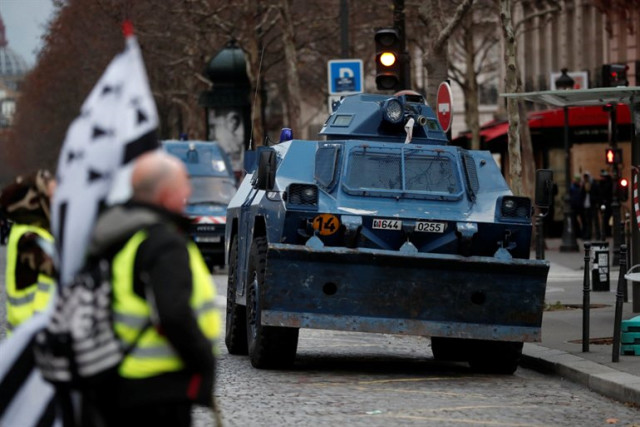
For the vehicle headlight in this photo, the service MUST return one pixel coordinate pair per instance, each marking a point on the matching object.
(515, 207)
(302, 195)
(392, 110)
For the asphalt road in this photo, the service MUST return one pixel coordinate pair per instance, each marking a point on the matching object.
(357, 379)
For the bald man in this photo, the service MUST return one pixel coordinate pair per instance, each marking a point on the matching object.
(162, 303)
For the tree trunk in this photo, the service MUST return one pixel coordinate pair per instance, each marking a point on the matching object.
(254, 55)
(511, 85)
(471, 87)
(291, 59)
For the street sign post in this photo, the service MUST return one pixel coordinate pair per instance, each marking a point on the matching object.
(345, 76)
(444, 109)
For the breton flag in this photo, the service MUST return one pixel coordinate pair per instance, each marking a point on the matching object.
(117, 122)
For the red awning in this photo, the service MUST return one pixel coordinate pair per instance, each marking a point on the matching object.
(591, 116)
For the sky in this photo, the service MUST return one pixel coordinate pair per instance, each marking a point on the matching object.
(25, 22)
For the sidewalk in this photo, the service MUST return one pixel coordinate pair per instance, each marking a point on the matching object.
(560, 351)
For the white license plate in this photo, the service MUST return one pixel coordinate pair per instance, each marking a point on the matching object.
(387, 224)
(207, 239)
(430, 227)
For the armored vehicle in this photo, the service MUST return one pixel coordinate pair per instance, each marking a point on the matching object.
(212, 186)
(382, 227)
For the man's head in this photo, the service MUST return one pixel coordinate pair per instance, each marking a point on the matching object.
(161, 179)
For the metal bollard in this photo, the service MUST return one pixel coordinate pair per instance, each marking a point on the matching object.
(539, 236)
(586, 288)
(622, 283)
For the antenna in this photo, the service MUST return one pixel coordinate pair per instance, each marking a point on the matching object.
(255, 96)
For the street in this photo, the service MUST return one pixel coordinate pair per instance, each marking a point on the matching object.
(358, 379)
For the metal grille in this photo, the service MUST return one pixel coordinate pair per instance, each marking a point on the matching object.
(373, 170)
(301, 194)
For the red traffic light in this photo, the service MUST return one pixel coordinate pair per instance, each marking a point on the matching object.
(623, 189)
(613, 156)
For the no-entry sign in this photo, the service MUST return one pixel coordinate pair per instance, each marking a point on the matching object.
(443, 106)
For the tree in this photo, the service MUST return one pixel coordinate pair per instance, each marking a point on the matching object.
(473, 50)
(438, 30)
(511, 85)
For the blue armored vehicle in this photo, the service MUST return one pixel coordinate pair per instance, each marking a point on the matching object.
(213, 185)
(382, 227)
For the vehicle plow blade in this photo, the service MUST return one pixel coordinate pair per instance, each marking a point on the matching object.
(393, 292)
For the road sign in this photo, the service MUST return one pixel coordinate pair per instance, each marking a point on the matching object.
(444, 110)
(345, 76)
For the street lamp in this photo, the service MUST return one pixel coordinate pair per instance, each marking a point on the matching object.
(569, 243)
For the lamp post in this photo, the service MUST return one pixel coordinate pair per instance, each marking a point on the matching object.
(569, 243)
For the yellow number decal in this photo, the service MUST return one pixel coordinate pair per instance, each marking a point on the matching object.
(326, 224)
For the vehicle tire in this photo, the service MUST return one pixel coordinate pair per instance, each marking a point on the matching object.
(495, 357)
(236, 324)
(451, 349)
(269, 346)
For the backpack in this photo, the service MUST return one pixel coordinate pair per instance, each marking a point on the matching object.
(79, 347)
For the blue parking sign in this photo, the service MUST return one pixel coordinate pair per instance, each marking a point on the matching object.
(345, 76)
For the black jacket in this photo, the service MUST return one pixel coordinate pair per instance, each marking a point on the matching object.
(163, 259)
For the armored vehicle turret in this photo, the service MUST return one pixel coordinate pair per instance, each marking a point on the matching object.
(382, 227)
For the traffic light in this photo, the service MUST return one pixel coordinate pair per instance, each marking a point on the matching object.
(388, 59)
(614, 75)
(613, 156)
(622, 188)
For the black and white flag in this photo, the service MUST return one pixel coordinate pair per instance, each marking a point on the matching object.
(117, 122)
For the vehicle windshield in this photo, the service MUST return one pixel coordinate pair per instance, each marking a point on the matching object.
(211, 189)
(388, 172)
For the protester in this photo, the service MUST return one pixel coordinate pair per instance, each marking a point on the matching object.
(163, 297)
(576, 204)
(29, 272)
(590, 201)
(606, 197)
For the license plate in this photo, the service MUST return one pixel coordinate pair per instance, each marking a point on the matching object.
(387, 224)
(430, 227)
(207, 239)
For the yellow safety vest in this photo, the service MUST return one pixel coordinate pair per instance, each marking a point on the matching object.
(22, 303)
(152, 354)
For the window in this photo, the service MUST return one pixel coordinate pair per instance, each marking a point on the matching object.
(406, 172)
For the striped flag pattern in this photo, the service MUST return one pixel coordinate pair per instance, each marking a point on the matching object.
(118, 121)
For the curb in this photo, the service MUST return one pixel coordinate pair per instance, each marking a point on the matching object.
(601, 379)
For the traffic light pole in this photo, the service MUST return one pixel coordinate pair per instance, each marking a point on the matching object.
(615, 202)
(344, 27)
(398, 24)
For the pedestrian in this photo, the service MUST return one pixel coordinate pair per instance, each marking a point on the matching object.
(163, 297)
(29, 273)
(606, 197)
(576, 205)
(590, 200)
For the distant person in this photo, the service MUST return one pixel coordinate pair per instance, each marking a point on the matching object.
(29, 275)
(576, 204)
(5, 228)
(606, 197)
(162, 290)
(226, 126)
(590, 200)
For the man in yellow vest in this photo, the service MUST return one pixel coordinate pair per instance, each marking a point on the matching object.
(29, 272)
(163, 299)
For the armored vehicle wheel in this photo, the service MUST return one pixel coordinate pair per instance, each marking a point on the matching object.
(452, 349)
(236, 331)
(269, 346)
(495, 357)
